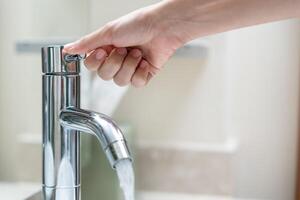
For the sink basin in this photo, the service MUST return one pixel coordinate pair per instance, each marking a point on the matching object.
(17, 191)
(160, 196)
(178, 196)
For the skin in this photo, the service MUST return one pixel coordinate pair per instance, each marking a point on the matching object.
(133, 48)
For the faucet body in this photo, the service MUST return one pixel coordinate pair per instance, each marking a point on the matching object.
(64, 121)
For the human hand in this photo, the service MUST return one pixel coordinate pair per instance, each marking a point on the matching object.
(134, 47)
(131, 49)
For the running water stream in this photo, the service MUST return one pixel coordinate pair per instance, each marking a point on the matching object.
(126, 178)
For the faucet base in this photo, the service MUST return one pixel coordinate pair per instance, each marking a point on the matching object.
(50, 193)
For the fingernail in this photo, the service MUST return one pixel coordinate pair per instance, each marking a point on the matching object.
(143, 64)
(100, 54)
(122, 51)
(136, 53)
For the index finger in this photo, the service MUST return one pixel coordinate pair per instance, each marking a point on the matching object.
(90, 42)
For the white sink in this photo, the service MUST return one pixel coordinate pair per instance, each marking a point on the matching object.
(150, 195)
(177, 196)
(17, 190)
(21, 191)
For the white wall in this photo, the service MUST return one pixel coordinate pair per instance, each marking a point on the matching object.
(102, 12)
(263, 106)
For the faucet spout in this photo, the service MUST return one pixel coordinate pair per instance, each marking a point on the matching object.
(103, 127)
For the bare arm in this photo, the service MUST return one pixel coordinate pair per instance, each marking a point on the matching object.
(205, 17)
(134, 47)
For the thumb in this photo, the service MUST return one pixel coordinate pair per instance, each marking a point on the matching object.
(89, 42)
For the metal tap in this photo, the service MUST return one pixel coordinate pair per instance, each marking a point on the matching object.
(64, 121)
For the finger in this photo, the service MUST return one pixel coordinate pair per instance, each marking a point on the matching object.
(108, 48)
(90, 42)
(128, 68)
(112, 64)
(95, 59)
(142, 75)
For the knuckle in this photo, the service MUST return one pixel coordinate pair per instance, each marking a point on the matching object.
(108, 31)
(90, 64)
(138, 85)
(82, 42)
(114, 59)
(104, 76)
(87, 63)
(138, 82)
(114, 63)
(131, 63)
(121, 82)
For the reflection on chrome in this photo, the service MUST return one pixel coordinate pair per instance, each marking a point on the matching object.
(64, 121)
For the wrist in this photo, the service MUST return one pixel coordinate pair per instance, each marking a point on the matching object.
(160, 17)
(175, 18)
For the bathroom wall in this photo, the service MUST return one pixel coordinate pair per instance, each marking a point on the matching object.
(263, 108)
(102, 12)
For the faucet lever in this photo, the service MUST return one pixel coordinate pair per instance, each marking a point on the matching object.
(74, 57)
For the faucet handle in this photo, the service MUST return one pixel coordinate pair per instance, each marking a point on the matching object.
(74, 57)
(55, 61)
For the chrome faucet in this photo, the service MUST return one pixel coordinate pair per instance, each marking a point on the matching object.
(64, 121)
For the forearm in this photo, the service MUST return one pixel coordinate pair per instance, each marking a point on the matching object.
(196, 18)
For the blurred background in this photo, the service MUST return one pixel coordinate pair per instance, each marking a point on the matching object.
(219, 122)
